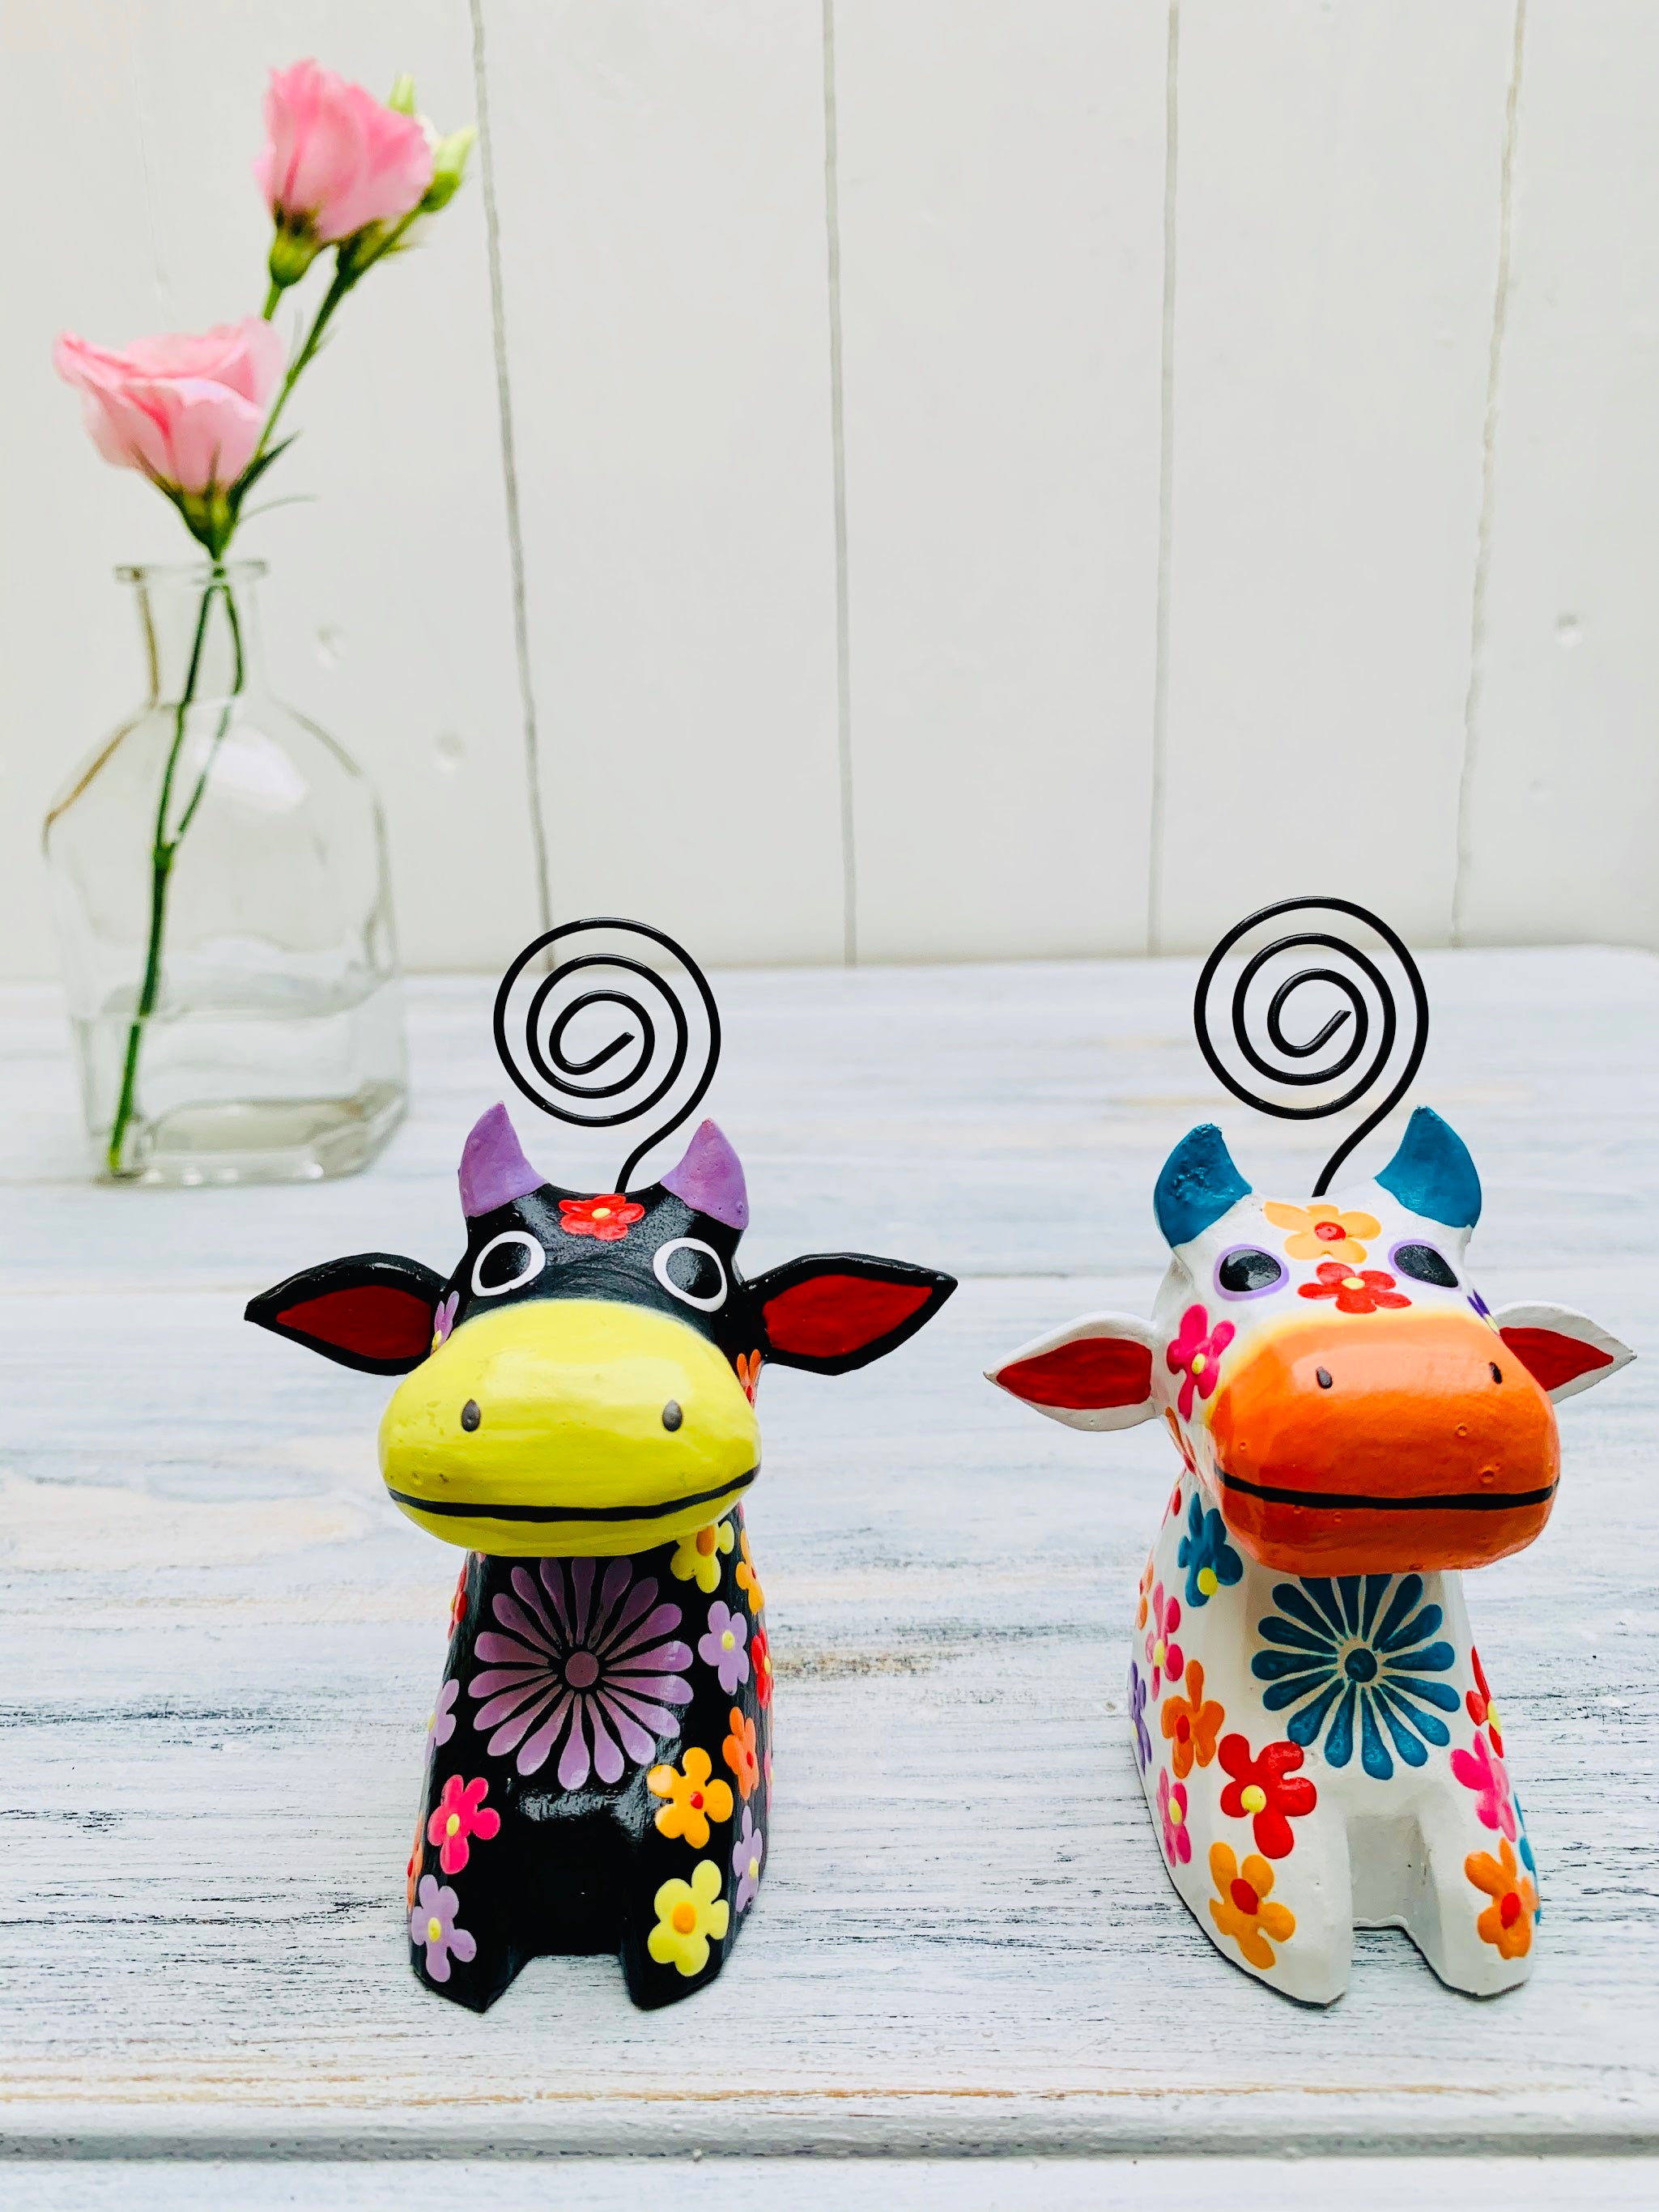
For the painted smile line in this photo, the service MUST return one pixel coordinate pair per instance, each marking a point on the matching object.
(456, 1510)
(1464, 1501)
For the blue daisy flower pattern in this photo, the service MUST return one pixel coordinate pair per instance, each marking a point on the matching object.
(1357, 1655)
(1210, 1560)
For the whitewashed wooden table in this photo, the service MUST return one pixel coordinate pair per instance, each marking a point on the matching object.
(220, 1645)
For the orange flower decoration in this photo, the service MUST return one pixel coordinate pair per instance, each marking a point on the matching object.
(1320, 1232)
(1243, 1910)
(1507, 1921)
(741, 1755)
(606, 1219)
(747, 1578)
(413, 1869)
(1190, 1724)
(693, 1799)
(749, 1368)
(1145, 1597)
(457, 1605)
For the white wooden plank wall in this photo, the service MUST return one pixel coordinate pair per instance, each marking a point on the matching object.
(994, 525)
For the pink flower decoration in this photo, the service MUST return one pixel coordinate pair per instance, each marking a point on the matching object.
(461, 1814)
(1195, 1355)
(1172, 1815)
(444, 1320)
(336, 159)
(1164, 1655)
(1484, 1772)
(185, 410)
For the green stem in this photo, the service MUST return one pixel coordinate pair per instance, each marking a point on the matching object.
(162, 853)
(331, 299)
(272, 298)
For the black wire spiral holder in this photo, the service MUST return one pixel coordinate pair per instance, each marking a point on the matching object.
(645, 997)
(1353, 1055)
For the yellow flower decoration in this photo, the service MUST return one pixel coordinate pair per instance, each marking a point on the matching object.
(693, 1800)
(1244, 1909)
(748, 1579)
(697, 1558)
(1320, 1232)
(688, 1914)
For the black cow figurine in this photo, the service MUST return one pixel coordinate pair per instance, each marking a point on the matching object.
(578, 1410)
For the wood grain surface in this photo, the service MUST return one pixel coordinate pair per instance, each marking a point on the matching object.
(220, 1645)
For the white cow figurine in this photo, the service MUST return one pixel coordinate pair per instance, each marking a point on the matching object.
(1316, 1740)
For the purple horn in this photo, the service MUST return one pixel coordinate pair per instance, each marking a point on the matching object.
(493, 1170)
(710, 1178)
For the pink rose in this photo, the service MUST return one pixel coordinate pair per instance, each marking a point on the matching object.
(336, 159)
(186, 411)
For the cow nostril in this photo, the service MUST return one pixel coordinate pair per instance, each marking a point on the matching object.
(1323, 1376)
(1496, 1372)
(471, 1415)
(671, 1415)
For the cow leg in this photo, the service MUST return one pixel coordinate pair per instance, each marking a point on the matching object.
(1468, 1899)
(1288, 1921)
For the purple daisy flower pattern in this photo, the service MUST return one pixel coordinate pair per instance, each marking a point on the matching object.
(725, 1647)
(1138, 1715)
(441, 1726)
(433, 1922)
(593, 1673)
(748, 1855)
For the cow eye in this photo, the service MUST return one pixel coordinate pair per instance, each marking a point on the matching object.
(1247, 1270)
(691, 1270)
(1425, 1265)
(507, 1263)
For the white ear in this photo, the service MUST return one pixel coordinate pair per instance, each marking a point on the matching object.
(1564, 1351)
(1094, 1373)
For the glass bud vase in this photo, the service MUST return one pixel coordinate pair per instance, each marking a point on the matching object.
(224, 917)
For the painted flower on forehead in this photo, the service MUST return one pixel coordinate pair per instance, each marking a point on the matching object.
(1195, 1356)
(444, 1320)
(606, 1219)
(593, 1671)
(1320, 1232)
(1363, 1290)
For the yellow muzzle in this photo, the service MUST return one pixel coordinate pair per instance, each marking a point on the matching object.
(549, 1428)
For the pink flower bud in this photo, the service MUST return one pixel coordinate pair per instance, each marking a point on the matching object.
(187, 411)
(336, 159)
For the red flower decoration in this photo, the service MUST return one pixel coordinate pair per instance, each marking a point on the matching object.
(461, 1814)
(760, 1654)
(458, 1603)
(1266, 1788)
(1357, 1290)
(607, 1218)
(1479, 1704)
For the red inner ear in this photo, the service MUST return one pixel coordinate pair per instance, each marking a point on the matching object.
(831, 1315)
(1550, 1358)
(376, 1322)
(1088, 1374)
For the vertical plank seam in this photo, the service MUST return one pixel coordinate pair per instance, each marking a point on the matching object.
(1500, 307)
(849, 874)
(1165, 498)
(510, 472)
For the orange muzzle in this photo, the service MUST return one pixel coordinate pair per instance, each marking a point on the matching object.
(1382, 1442)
